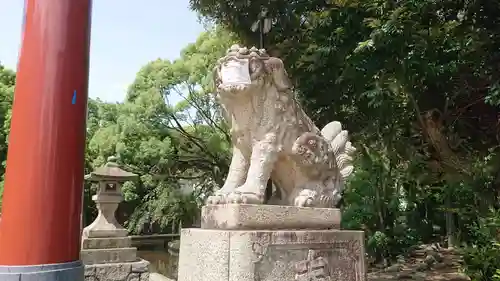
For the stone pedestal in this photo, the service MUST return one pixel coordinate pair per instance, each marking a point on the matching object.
(112, 258)
(289, 249)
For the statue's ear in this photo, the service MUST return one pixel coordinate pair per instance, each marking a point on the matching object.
(277, 69)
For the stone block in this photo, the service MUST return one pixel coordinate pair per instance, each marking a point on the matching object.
(271, 255)
(268, 217)
(105, 233)
(127, 271)
(106, 243)
(100, 256)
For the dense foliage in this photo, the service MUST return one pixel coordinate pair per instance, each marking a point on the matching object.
(7, 83)
(414, 81)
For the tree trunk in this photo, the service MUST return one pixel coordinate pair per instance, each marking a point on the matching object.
(450, 222)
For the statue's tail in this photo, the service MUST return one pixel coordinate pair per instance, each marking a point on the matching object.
(341, 146)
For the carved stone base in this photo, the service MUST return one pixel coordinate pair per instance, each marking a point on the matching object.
(271, 255)
(268, 217)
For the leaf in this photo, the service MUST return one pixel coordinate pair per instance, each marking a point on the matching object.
(364, 45)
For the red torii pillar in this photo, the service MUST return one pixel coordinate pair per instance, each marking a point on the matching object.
(40, 227)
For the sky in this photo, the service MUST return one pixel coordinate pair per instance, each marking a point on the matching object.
(126, 35)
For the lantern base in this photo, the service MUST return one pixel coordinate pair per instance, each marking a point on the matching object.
(71, 271)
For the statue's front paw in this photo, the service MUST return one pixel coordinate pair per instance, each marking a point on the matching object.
(216, 199)
(305, 198)
(245, 198)
(303, 201)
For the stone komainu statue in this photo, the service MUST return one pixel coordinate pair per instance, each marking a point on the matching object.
(274, 138)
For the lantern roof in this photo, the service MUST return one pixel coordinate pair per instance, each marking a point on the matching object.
(110, 171)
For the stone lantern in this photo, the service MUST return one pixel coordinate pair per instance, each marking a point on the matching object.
(109, 179)
(106, 247)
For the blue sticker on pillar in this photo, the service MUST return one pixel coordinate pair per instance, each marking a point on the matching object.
(73, 101)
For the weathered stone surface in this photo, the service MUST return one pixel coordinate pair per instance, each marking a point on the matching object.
(274, 138)
(268, 217)
(106, 243)
(158, 277)
(203, 255)
(145, 276)
(98, 256)
(140, 267)
(134, 277)
(89, 271)
(118, 271)
(226, 255)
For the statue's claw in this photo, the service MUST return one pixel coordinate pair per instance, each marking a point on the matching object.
(303, 201)
(305, 198)
(217, 199)
(244, 198)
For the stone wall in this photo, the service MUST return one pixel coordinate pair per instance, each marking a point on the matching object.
(134, 271)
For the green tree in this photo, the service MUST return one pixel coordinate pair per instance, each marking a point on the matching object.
(180, 150)
(7, 83)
